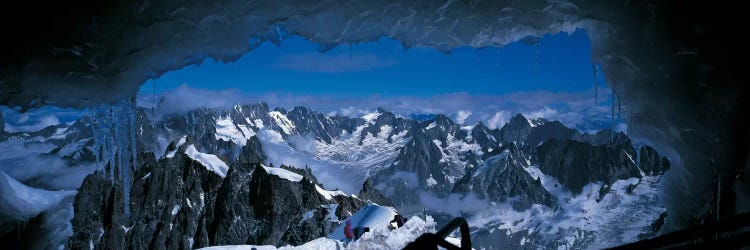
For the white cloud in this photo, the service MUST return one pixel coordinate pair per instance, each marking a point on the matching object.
(498, 120)
(38, 118)
(462, 115)
(545, 112)
(574, 109)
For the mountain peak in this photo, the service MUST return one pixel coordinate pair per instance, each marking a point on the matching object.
(280, 110)
(302, 109)
(518, 117)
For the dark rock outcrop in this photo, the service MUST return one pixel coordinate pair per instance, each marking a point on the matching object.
(177, 203)
(319, 126)
(417, 167)
(651, 163)
(502, 178)
(549, 130)
(252, 152)
(576, 164)
(100, 215)
(386, 118)
(369, 193)
(517, 129)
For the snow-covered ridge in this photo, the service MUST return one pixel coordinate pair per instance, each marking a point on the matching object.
(211, 162)
(379, 237)
(284, 123)
(294, 177)
(283, 173)
(328, 195)
(177, 147)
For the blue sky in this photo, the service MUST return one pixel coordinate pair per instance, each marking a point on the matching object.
(557, 63)
(550, 77)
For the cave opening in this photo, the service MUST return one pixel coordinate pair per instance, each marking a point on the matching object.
(672, 67)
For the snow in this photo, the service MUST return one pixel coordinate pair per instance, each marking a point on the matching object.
(211, 162)
(377, 238)
(452, 152)
(432, 125)
(60, 133)
(176, 209)
(431, 181)
(179, 144)
(371, 117)
(284, 174)
(328, 195)
(246, 131)
(372, 216)
(308, 215)
(228, 131)
(362, 160)
(73, 150)
(258, 123)
(491, 162)
(617, 219)
(382, 238)
(331, 216)
(320, 243)
(21, 202)
(284, 123)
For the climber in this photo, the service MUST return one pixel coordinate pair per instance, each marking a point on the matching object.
(348, 231)
(398, 221)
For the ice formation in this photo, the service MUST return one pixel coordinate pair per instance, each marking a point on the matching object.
(115, 144)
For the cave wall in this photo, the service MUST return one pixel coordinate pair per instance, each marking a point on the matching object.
(676, 65)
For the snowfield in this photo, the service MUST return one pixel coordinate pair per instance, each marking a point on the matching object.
(604, 219)
(377, 238)
(21, 202)
(375, 153)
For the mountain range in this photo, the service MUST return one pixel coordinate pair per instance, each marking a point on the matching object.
(206, 177)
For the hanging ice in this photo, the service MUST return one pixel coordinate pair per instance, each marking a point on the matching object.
(114, 136)
(596, 84)
(612, 118)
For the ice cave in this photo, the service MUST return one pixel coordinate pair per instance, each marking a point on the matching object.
(628, 125)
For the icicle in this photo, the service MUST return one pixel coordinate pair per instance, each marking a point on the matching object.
(612, 118)
(619, 107)
(596, 84)
(153, 96)
(115, 140)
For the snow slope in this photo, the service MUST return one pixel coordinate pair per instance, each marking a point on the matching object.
(602, 220)
(284, 174)
(372, 155)
(378, 238)
(21, 202)
(372, 216)
(211, 162)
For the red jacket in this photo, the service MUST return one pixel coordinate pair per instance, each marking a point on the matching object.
(348, 230)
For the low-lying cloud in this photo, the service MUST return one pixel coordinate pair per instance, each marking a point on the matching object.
(574, 109)
(38, 118)
(26, 162)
